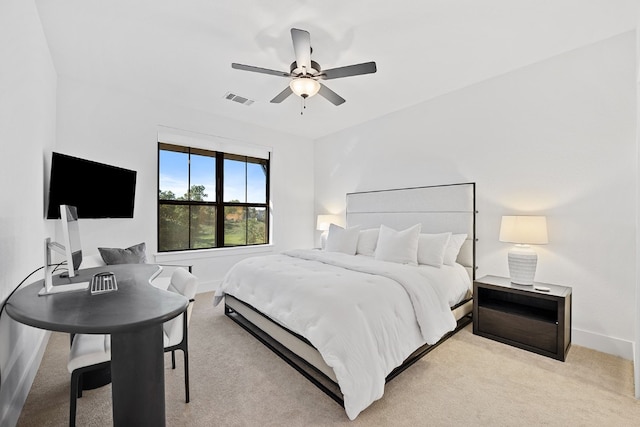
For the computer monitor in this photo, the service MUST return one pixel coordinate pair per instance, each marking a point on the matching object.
(71, 237)
(70, 249)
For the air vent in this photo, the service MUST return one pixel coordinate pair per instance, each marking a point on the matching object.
(237, 98)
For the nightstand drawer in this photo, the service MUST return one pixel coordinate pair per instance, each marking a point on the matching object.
(518, 329)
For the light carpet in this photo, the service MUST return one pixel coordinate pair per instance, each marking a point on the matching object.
(236, 381)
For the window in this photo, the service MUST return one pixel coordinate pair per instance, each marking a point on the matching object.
(210, 199)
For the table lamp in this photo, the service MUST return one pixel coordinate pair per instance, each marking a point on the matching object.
(323, 223)
(523, 231)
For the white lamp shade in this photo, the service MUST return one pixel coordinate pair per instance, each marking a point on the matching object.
(324, 221)
(524, 229)
(304, 87)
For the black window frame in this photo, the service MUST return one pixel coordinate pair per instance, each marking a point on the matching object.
(219, 202)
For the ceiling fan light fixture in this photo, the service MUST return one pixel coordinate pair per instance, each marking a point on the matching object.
(304, 87)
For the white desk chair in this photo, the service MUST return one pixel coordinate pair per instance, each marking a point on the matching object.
(90, 352)
(175, 330)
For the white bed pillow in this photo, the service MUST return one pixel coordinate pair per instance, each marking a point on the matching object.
(343, 240)
(453, 248)
(398, 246)
(432, 247)
(367, 241)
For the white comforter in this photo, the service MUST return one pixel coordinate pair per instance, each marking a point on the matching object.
(365, 317)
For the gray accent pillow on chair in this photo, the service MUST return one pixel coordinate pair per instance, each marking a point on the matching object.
(132, 255)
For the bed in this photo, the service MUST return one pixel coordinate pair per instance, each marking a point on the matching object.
(350, 322)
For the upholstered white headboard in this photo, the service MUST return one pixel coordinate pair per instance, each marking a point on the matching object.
(438, 208)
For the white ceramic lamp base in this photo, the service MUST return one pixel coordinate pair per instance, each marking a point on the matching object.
(522, 264)
(323, 239)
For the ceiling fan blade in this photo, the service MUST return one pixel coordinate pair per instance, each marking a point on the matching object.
(282, 95)
(302, 47)
(350, 70)
(260, 70)
(330, 95)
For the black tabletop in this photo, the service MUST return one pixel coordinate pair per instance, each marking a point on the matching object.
(134, 305)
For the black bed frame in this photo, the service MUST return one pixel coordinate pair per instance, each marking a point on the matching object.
(312, 373)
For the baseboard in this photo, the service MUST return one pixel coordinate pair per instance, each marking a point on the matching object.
(636, 370)
(603, 343)
(17, 381)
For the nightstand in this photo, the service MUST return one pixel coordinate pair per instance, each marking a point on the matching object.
(519, 315)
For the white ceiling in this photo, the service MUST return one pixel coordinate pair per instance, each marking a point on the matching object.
(180, 51)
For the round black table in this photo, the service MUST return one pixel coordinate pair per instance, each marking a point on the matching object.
(133, 315)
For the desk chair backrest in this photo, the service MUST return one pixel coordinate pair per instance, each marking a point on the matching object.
(186, 284)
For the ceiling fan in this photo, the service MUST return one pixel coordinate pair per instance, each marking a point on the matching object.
(305, 73)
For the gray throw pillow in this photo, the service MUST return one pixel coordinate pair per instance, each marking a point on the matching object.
(131, 255)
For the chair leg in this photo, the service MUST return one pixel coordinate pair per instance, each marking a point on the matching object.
(79, 386)
(185, 352)
(72, 399)
(173, 359)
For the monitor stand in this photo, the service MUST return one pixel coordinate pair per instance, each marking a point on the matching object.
(49, 288)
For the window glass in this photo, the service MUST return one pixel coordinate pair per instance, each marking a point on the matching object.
(203, 227)
(235, 226)
(256, 182)
(256, 226)
(235, 172)
(173, 227)
(173, 175)
(203, 178)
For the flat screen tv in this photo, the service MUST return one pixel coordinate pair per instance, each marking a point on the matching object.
(97, 190)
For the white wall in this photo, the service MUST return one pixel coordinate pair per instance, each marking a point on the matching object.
(27, 129)
(554, 138)
(117, 128)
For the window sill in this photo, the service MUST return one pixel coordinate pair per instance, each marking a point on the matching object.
(166, 257)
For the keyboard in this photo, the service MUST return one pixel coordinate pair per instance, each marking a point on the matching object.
(103, 282)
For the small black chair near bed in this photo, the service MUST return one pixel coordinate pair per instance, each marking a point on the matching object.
(176, 330)
(91, 352)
